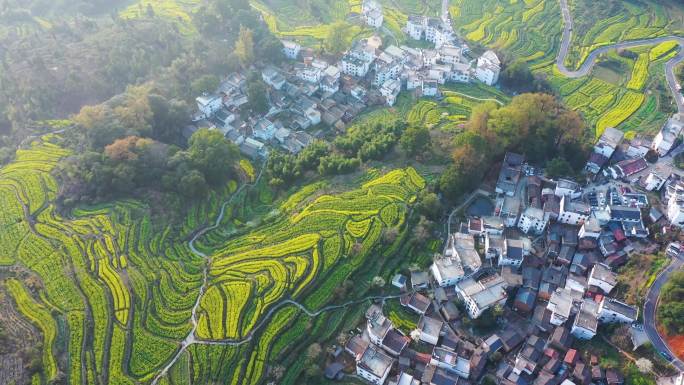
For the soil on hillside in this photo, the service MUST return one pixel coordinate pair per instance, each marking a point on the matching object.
(676, 344)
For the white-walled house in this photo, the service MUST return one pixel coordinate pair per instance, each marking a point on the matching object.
(590, 229)
(675, 205)
(291, 49)
(532, 221)
(309, 74)
(374, 365)
(603, 277)
(514, 252)
(460, 260)
(355, 66)
(430, 88)
(665, 139)
(390, 90)
(415, 27)
(209, 104)
(586, 321)
(374, 18)
(371, 13)
(488, 68)
(264, 129)
(560, 305)
(613, 311)
(573, 213)
(482, 294)
(273, 78)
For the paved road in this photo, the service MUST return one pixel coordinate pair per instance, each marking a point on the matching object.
(467, 201)
(654, 291)
(650, 311)
(589, 63)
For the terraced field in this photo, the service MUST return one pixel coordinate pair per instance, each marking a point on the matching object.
(179, 11)
(310, 23)
(531, 30)
(454, 109)
(120, 294)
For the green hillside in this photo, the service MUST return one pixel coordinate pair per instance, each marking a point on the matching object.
(118, 289)
(625, 92)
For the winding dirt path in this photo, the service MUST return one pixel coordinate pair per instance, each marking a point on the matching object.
(192, 339)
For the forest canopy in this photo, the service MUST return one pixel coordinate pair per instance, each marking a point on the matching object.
(535, 125)
(671, 308)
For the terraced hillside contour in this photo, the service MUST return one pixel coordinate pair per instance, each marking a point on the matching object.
(118, 292)
(620, 91)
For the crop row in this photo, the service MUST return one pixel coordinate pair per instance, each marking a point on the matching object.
(639, 73)
(661, 50)
(626, 106)
(40, 317)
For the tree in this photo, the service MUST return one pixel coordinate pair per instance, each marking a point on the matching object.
(244, 46)
(415, 140)
(644, 365)
(428, 205)
(558, 167)
(169, 117)
(378, 281)
(517, 76)
(126, 149)
(6, 154)
(335, 41)
(671, 308)
(193, 185)
(257, 97)
(213, 155)
(206, 83)
(313, 352)
(453, 183)
(271, 50)
(389, 235)
(422, 231)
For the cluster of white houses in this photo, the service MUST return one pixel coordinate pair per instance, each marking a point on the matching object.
(310, 92)
(307, 90)
(635, 169)
(584, 242)
(550, 251)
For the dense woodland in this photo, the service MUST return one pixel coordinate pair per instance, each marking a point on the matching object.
(51, 73)
(671, 308)
(536, 125)
(130, 85)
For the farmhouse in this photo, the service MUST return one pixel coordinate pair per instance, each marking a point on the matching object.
(374, 365)
(488, 68)
(509, 174)
(482, 294)
(460, 260)
(663, 142)
(291, 49)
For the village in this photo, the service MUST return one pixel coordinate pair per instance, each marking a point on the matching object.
(542, 262)
(308, 93)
